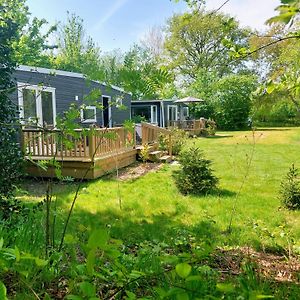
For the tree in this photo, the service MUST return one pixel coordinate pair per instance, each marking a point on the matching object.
(141, 75)
(31, 46)
(232, 103)
(76, 52)
(199, 40)
(11, 15)
(153, 42)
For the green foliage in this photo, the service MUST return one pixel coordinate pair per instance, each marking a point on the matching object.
(179, 139)
(76, 52)
(202, 110)
(288, 10)
(141, 75)
(194, 42)
(233, 101)
(10, 158)
(211, 127)
(144, 153)
(195, 175)
(290, 189)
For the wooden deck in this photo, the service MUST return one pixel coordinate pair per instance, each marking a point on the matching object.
(87, 154)
(193, 127)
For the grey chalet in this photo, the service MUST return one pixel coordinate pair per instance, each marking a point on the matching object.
(42, 94)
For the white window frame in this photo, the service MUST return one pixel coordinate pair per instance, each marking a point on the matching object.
(119, 102)
(176, 112)
(91, 107)
(154, 114)
(38, 96)
(109, 111)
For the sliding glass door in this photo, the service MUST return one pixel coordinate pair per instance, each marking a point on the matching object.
(37, 105)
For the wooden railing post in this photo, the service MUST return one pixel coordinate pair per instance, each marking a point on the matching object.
(22, 140)
(92, 146)
(170, 144)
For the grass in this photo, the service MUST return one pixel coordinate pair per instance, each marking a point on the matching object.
(153, 209)
(155, 222)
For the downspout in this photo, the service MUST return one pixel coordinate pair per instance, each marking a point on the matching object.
(162, 113)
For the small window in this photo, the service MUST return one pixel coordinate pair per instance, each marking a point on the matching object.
(88, 114)
(119, 102)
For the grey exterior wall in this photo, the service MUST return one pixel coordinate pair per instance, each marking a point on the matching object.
(66, 88)
(165, 104)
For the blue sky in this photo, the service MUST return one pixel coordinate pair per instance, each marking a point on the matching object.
(119, 23)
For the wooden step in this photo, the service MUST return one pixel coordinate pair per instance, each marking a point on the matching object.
(166, 159)
(155, 155)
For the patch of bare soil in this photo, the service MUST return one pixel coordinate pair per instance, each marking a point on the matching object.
(271, 266)
(137, 170)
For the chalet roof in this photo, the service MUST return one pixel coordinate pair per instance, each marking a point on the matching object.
(64, 73)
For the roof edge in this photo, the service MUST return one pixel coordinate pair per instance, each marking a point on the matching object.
(64, 73)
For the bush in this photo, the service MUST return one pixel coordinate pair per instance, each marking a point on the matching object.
(290, 189)
(211, 127)
(179, 138)
(195, 175)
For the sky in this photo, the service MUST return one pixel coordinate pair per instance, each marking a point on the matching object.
(117, 24)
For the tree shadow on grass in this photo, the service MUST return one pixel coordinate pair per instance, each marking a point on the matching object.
(224, 193)
(219, 136)
(272, 129)
(162, 227)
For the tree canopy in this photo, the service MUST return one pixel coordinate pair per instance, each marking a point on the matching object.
(198, 40)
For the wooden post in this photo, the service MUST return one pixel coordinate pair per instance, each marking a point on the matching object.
(22, 140)
(170, 144)
(92, 146)
(134, 136)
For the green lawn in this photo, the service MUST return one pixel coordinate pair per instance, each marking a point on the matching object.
(159, 228)
(152, 208)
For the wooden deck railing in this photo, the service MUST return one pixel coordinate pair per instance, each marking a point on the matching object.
(151, 133)
(85, 144)
(187, 124)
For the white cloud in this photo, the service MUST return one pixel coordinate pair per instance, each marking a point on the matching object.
(118, 4)
(251, 13)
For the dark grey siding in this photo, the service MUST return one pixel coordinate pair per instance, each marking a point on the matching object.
(67, 88)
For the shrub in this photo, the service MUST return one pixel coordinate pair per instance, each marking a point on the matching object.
(211, 127)
(290, 189)
(144, 153)
(179, 138)
(195, 175)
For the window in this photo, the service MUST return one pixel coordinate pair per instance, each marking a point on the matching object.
(141, 113)
(185, 112)
(119, 102)
(37, 104)
(88, 114)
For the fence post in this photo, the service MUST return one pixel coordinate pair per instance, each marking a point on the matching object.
(134, 136)
(170, 144)
(22, 140)
(91, 140)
